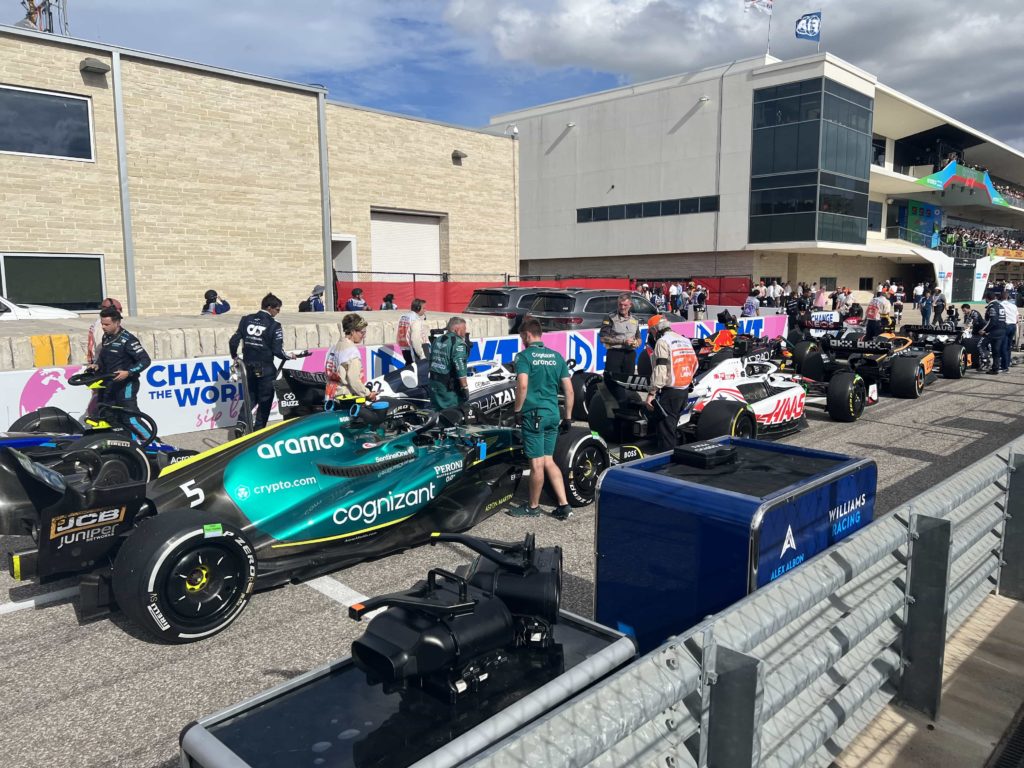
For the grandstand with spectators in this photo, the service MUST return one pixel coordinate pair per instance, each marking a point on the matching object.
(809, 170)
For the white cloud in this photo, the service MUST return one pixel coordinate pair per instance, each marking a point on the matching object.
(962, 58)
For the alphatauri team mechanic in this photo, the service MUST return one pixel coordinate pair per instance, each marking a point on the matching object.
(262, 339)
(121, 354)
(449, 355)
(675, 363)
(344, 367)
(620, 334)
(994, 331)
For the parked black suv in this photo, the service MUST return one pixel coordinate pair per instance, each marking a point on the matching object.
(572, 309)
(512, 303)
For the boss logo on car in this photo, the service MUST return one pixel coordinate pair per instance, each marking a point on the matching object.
(80, 521)
(300, 445)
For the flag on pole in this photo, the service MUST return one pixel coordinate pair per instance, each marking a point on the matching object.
(764, 6)
(808, 27)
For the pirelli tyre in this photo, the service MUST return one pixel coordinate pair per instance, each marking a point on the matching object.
(954, 361)
(971, 346)
(906, 377)
(581, 456)
(47, 419)
(801, 352)
(108, 459)
(846, 396)
(725, 417)
(584, 386)
(183, 575)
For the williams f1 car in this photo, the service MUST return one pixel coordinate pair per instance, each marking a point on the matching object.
(182, 554)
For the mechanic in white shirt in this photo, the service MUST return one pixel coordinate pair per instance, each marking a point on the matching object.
(918, 293)
(1012, 317)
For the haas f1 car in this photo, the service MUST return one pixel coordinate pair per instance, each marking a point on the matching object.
(182, 554)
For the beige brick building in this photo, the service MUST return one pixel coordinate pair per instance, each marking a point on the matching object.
(226, 183)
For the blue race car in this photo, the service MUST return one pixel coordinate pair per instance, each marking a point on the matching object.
(182, 554)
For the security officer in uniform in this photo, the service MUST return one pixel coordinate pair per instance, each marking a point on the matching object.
(540, 372)
(675, 363)
(262, 340)
(995, 332)
(448, 355)
(121, 354)
(620, 334)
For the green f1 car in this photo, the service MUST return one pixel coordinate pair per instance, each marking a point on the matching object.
(182, 555)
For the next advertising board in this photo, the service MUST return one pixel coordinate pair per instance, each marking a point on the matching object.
(194, 394)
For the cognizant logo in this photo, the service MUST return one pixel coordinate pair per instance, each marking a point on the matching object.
(368, 511)
(297, 445)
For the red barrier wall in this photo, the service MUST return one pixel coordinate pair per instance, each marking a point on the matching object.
(454, 296)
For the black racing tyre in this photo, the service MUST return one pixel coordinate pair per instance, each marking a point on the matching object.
(725, 417)
(846, 396)
(184, 575)
(906, 377)
(813, 367)
(120, 461)
(801, 352)
(601, 412)
(47, 419)
(584, 386)
(973, 352)
(954, 361)
(582, 457)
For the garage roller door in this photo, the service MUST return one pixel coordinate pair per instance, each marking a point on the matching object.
(404, 243)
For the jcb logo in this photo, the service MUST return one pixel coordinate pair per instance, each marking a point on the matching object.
(80, 521)
(255, 330)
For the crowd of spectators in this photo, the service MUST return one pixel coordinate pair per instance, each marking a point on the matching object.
(965, 237)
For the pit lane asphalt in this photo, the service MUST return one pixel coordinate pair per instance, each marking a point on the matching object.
(98, 694)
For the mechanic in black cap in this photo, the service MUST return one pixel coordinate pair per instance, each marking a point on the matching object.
(121, 354)
(994, 331)
(262, 339)
(620, 334)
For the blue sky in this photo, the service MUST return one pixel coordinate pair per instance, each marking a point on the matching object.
(463, 61)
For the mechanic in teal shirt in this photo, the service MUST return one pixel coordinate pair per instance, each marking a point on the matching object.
(539, 372)
(448, 355)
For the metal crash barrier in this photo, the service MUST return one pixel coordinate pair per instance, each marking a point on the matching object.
(791, 674)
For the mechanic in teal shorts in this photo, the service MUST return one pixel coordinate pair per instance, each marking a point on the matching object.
(539, 372)
(448, 354)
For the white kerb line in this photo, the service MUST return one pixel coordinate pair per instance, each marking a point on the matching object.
(38, 600)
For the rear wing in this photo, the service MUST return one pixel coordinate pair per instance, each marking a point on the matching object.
(917, 331)
(845, 347)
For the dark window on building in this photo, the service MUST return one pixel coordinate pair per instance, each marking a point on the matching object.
(878, 151)
(828, 283)
(28, 279)
(874, 216)
(776, 229)
(866, 284)
(842, 201)
(650, 209)
(844, 182)
(858, 98)
(787, 89)
(37, 123)
(841, 229)
(843, 112)
(845, 151)
(775, 201)
(785, 148)
(784, 180)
